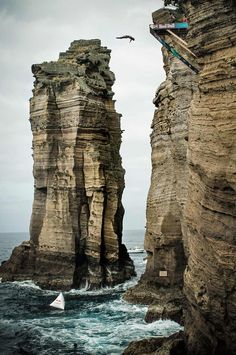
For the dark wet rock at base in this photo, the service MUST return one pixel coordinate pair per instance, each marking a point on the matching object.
(173, 345)
(160, 301)
(76, 223)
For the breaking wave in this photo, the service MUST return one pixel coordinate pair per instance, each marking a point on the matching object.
(95, 322)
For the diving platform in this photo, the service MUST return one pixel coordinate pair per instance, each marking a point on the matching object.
(168, 34)
(180, 27)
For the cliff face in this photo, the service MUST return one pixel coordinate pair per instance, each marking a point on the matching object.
(161, 285)
(76, 224)
(201, 213)
(210, 283)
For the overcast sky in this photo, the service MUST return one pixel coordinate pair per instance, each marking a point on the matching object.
(33, 31)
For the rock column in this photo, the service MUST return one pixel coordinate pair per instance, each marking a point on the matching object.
(76, 224)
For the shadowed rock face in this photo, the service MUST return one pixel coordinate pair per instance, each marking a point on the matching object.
(210, 283)
(173, 345)
(161, 285)
(76, 223)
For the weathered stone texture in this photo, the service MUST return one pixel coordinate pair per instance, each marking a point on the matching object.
(76, 224)
(167, 194)
(202, 211)
(210, 283)
(173, 345)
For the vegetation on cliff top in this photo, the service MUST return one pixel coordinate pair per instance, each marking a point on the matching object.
(172, 2)
(176, 3)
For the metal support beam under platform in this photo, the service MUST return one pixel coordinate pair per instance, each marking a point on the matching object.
(167, 29)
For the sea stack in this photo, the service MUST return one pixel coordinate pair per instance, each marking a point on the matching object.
(76, 223)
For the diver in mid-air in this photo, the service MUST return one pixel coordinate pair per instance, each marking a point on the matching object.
(127, 36)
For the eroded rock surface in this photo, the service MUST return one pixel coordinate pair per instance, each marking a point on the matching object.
(208, 214)
(76, 224)
(210, 282)
(161, 285)
(173, 345)
(202, 212)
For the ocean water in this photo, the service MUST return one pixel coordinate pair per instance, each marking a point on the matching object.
(93, 322)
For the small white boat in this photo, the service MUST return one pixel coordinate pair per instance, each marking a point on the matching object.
(59, 302)
(136, 251)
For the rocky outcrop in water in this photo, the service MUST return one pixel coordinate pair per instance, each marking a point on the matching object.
(76, 224)
(173, 345)
(162, 283)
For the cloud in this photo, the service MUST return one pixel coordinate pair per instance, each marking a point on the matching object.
(35, 31)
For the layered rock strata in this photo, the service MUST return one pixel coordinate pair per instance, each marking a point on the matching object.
(161, 285)
(210, 282)
(76, 223)
(209, 213)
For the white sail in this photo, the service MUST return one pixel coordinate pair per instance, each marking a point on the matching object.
(59, 302)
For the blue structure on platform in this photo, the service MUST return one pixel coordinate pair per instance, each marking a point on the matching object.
(175, 25)
(168, 28)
